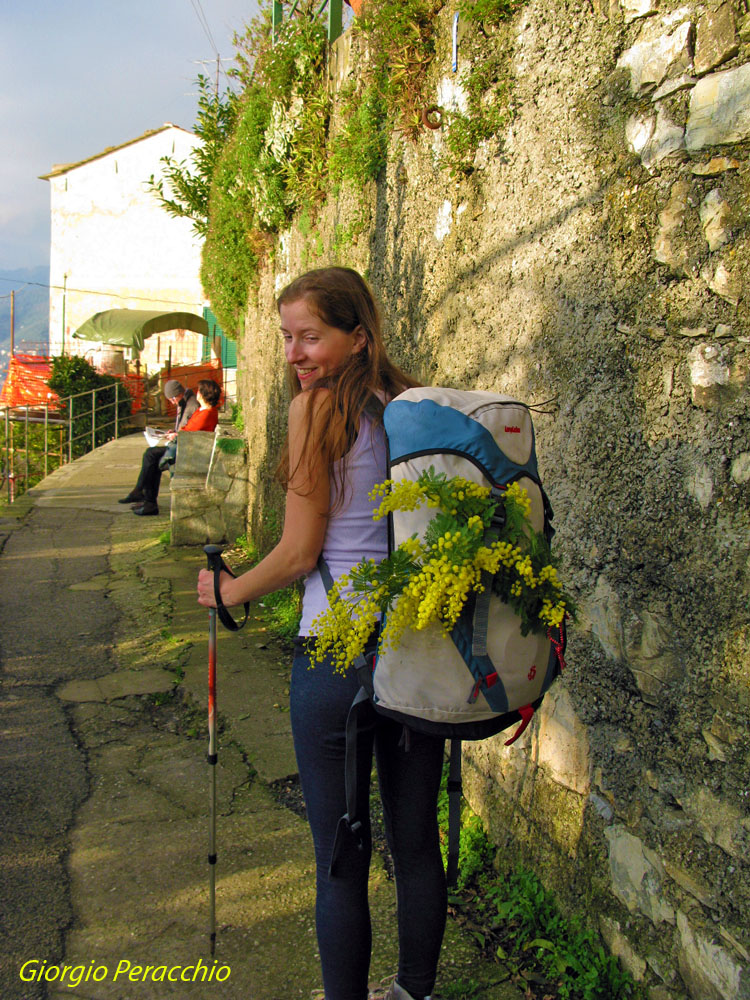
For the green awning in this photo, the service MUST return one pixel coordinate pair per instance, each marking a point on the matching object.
(130, 327)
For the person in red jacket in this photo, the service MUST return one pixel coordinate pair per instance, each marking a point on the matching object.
(204, 419)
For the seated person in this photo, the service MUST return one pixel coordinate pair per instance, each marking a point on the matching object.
(204, 417)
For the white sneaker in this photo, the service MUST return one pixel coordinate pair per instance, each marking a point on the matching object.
(397, 992)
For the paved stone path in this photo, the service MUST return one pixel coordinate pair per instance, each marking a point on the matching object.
(104, 780)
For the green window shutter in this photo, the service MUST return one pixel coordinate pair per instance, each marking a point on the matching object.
(228, 348)
(212, 327)
(228, 352)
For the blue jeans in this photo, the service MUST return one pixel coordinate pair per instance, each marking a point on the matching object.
(409, 779)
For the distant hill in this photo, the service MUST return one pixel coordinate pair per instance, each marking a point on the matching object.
(32, 306)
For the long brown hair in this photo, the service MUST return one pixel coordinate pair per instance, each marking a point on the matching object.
(342, 299)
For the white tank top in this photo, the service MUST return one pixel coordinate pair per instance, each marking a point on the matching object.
(351, 535)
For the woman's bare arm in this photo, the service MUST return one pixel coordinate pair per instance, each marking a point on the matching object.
(305, 519)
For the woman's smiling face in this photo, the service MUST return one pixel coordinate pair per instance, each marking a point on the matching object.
(313, 348)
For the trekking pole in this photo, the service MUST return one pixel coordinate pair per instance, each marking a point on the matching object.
(213, 554)
(216, 565)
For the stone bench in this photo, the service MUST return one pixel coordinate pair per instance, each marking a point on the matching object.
(209, 488)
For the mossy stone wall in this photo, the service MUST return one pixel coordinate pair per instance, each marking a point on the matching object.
(597, 261)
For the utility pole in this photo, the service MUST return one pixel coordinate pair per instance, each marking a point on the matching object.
(65, 289)
(12, 323)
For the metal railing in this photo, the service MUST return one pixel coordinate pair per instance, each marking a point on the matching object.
(40, 437)
(335, 16)
(78, 429)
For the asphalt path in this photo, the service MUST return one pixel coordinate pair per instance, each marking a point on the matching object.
(48, 634)
(104, 781)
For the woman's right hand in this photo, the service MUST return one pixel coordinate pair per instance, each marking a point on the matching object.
(206, 595)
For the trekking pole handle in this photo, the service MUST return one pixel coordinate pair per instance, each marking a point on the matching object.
(213, 555)
(216, 564)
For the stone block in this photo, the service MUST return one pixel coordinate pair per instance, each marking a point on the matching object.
(695, 887)
(621, 948)
(218, 479)
(194, 449)
(634, 9)
(715, 39)
(709, 971)
(740, 471)
(651, 60)
(187, 501)
(667, 247)
(654, 139)
(714, 215)
(699, 482)
(603, 613)
(637, 876)
(560, 743)
(667, 139)
(215, 526)
(209, 502)
(708, 365)
(652, 656)
(715, 166)
(719, 822)
(719, 109)
(189, 530)
(674, 214)
(723, 283)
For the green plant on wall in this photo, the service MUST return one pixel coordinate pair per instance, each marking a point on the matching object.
(183, 189)
(490, 12)
(516, 920)
(487, 112)
(276, 156)
(486, 85)
(401, 35)
(275, 164)
(359, 150)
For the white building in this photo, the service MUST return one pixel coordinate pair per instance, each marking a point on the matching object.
(114, 247)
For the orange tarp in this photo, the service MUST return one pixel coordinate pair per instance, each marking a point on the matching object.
(26, 383)
(190, 375)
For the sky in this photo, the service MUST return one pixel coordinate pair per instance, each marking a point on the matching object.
(80, 75)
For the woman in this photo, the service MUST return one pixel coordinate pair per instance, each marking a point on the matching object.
(340, 376)
(205, 418)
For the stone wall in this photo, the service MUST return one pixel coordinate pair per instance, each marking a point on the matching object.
(597, 260)
(209, 493)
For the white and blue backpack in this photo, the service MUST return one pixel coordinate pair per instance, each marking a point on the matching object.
(485, 676)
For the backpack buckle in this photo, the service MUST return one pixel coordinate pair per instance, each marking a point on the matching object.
(498, 517)
(484, 682)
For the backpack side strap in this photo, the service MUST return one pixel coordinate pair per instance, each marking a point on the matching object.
(454, 813)
(350, 824)
(482, 603)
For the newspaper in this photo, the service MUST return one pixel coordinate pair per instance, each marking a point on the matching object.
(154, 436)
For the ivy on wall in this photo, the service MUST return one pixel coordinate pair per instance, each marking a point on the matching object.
(273, 154)
(274, 163)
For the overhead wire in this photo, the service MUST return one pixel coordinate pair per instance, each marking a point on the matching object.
(204, 24)
(114, 295)
(202, 20)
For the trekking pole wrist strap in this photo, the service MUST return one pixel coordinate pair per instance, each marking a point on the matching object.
(217, 564)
